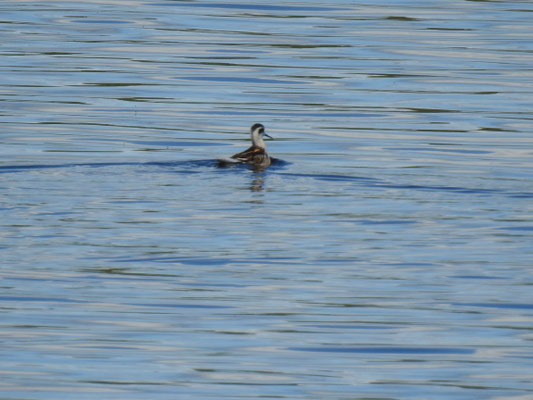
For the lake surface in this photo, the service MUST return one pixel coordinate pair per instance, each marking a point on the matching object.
(387, 255)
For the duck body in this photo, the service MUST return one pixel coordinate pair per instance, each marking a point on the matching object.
(256, 155)
(253, 155)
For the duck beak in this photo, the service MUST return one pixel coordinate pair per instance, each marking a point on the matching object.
(268, 136)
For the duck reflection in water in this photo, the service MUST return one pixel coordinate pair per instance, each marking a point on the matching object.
(258, 183)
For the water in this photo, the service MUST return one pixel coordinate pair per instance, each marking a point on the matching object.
(386, 256)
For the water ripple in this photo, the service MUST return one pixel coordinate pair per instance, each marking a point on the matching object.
(386, 253)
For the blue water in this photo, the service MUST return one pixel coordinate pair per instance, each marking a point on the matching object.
(387, 254)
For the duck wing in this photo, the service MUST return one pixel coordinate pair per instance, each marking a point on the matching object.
(250, 154)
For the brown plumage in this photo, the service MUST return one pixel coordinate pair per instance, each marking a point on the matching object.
(253, 155)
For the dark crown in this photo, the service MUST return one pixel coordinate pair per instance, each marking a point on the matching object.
(257, 126)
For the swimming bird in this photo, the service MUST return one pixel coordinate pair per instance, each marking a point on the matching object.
(256, 155)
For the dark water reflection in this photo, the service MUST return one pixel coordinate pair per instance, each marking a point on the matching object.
(386, 255)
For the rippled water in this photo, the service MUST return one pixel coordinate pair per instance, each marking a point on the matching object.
(387, 255)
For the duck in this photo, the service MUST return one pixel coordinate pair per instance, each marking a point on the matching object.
(256, 155)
